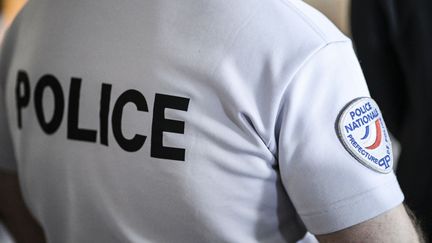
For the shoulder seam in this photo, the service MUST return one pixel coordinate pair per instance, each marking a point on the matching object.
(314, 53)
(311, 24)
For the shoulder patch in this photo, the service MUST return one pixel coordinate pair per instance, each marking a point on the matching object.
(361, 129)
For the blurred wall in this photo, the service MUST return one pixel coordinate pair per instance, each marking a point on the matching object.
(9, 8)
(336, 10)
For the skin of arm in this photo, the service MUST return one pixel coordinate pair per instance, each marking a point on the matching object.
(393, 226)
(14, 214)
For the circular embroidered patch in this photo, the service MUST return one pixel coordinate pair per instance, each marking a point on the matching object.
(363, 133)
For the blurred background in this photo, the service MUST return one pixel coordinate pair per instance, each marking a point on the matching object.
(393, 42)
(338, 11)
(8, 10)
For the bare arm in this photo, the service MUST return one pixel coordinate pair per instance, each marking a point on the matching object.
(392, 226)
(14, 213)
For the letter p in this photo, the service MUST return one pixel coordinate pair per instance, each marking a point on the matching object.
(22, 94)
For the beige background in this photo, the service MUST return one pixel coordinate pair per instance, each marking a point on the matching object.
(10, 8)
(335, 10)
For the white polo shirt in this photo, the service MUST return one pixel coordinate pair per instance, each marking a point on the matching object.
(185, 121)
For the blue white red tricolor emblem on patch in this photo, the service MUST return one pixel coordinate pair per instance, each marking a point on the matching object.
(362, 130)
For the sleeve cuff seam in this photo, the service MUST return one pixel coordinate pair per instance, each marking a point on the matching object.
(349, 201)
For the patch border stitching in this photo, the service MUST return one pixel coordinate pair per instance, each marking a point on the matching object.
(342, 113)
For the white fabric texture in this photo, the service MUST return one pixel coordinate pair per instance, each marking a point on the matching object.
(259, 85)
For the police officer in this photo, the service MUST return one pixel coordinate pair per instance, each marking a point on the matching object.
(194, 121)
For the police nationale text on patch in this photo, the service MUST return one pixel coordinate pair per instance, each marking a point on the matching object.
(361, 129)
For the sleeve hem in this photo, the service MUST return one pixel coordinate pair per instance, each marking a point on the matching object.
(355, 210)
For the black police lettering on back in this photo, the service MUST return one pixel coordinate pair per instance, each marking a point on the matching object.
(159, 123)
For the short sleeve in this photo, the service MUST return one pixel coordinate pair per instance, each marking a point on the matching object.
(7, 158)
(330, 189)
